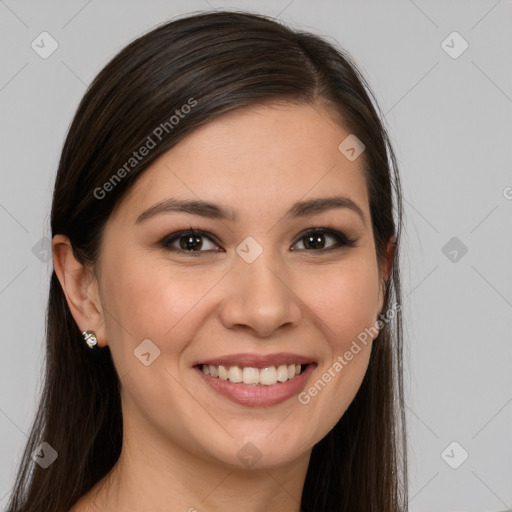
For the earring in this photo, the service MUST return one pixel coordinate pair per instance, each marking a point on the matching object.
(90, 338)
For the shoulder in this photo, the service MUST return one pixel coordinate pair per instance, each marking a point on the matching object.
(95, 499)
(85, 504)
(80, 506)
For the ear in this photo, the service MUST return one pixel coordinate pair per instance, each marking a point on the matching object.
(80, 288)
(385, 271)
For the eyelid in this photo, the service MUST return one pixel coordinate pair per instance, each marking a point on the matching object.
(341, 238)
(176, 235)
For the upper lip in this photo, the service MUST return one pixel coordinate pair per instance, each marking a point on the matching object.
(257, 360)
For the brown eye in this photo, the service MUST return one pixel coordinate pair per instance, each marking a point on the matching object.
(318, 240)
(189, 241)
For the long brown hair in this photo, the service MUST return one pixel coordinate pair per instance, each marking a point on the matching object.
(217, 62)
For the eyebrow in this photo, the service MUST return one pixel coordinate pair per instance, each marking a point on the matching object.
(214, 211)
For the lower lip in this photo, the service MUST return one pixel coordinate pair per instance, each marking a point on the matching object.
(258, 395)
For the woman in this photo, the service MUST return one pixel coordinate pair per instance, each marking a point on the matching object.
(224, 327)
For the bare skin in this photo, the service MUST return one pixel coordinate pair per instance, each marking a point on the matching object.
(181, 437)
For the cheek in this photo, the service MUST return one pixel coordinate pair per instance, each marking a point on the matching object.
(345, 300)
(344, 303)
(154, 300)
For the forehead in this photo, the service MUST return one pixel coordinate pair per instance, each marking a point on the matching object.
(255, 159)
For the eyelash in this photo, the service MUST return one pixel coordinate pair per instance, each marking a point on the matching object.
(342, 241)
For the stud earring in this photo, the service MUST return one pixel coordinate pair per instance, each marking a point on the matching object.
(90, 338)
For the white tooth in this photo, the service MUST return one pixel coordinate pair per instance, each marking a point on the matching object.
(235, 374)
(268, 376)
(282, 373)
(251, 375)
(223, 373)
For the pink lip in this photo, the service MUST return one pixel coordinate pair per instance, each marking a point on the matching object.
(256, 360)
(258, 395)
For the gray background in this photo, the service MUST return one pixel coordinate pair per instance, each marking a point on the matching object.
(450, 120)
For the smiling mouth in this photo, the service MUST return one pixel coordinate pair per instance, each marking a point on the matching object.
(252, 376)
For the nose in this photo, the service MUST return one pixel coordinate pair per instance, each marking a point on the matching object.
(259, 298)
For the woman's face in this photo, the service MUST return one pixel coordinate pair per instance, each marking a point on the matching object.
(251, 289)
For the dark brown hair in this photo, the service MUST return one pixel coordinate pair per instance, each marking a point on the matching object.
(219, 62)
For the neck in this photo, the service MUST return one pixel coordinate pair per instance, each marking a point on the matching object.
(154, 474)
